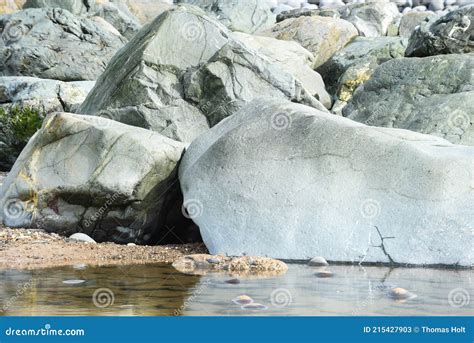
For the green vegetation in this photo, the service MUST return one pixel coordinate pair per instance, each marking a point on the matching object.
(17, 125)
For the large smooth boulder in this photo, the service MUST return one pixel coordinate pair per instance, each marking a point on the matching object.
(95, 176)
(46, 95)
(355, 64)
(432, 95)
(183, 72)
(247, 16)
(287, 181)
(372, 19)
(322, 36)
(450, 34)
(291, 57)
(55, 44)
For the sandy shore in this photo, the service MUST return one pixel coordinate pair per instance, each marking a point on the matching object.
(30, 249)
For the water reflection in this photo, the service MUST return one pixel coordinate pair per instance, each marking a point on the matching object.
(158, 290)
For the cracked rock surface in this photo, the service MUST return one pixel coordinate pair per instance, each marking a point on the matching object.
(291, 57)
(184, 72)
(93, 175)
(432, 95)
(284, 180)
(55, 44)
(450, 34)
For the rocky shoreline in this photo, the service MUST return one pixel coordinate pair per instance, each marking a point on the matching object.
(33, 249)
(342, 129)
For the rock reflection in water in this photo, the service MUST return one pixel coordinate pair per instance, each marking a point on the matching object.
(159, 290)
(155, 290)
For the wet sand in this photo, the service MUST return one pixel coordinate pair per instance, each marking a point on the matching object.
(31, 249)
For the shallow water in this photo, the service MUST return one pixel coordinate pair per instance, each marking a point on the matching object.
(157, 290)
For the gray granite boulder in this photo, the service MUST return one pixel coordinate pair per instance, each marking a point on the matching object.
(247, 16)
(95, 176)
(322, 36)
(449, 34)
(125, 22)
(287, 181)
(183, 72)
(371, 19)
(55, 44)
(355, 64)
(47, 95)
(118, 15)
(144, 10)
(76, 7)
(411, 20)
(291, 57)
(39, 96)
(432, 95)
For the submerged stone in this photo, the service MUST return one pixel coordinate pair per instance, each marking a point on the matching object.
(242, 300)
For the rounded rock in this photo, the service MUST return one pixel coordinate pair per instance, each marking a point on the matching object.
(318, 262)
(242, 300)
(73, 282)
(399, 293)
(82, 237)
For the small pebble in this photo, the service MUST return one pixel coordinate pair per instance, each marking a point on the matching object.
(254, 307)
(324, 274)
(399, 293)
(233, 281)
(80, 266)
(73, 282)
(318, 262)
(82, 237)
(131, 245)
(242, 300)
(213, 260)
